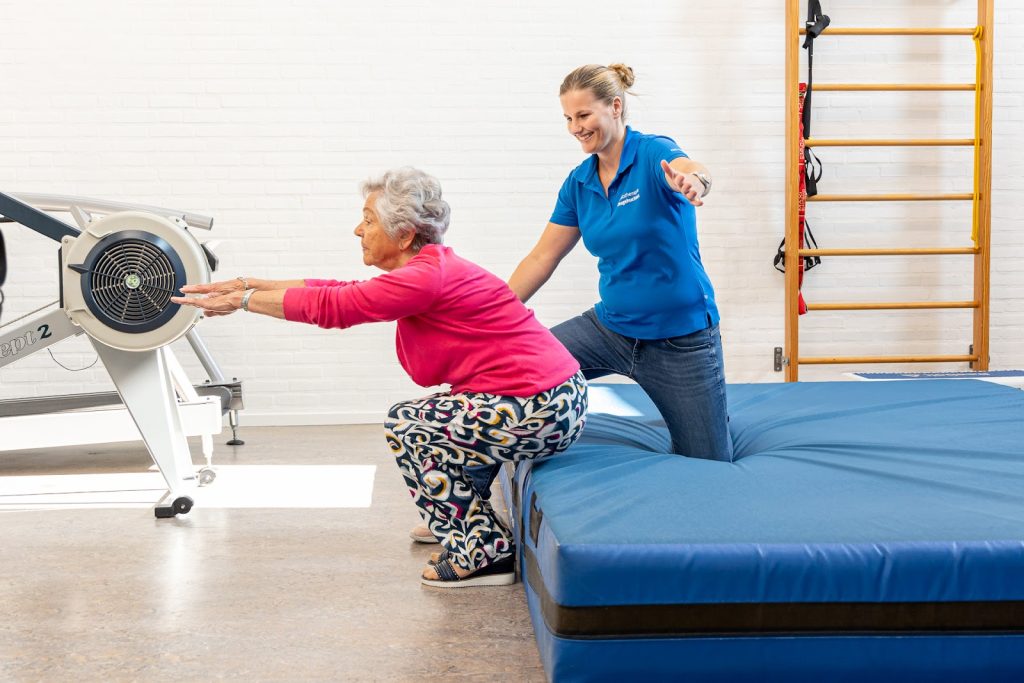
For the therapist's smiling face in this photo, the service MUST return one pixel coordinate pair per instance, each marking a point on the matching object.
(593, 122)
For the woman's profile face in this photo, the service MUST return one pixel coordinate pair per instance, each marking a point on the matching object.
(594, 123)
(379, 249)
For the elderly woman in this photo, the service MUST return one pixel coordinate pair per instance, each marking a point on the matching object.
(516, 393)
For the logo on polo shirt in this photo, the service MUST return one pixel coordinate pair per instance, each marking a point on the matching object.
(628, 197)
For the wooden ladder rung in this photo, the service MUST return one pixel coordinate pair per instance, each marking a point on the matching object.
(895, 31)
(921, 142)
(846, 87)
(843, 360)
(977, 197)
(889, 305)
(928, 251)
(960, 196)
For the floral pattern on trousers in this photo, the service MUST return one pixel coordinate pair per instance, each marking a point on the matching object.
(435, 438)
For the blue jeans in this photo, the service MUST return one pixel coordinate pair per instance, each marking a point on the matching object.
(684, 377)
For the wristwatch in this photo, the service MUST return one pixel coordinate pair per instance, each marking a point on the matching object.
(705, 180)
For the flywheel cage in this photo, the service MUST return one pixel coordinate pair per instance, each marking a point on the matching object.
(129, 279)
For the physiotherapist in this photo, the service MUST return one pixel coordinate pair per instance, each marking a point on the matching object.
(633, 202)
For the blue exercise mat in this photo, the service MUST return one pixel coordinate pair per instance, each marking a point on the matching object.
(890, 510)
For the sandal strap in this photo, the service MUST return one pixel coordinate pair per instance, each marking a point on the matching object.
(445, 554)
(444, 570)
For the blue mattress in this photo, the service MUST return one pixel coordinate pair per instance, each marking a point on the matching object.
(864, 528)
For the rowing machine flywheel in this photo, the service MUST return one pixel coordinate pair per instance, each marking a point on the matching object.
(120, 273)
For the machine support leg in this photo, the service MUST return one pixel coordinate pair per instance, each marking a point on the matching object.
(143, 379)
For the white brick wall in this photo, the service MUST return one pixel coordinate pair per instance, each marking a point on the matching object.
(266, 115)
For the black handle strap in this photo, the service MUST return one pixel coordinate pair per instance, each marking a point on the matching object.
(812, 171)
(816, 23)
(809, 261)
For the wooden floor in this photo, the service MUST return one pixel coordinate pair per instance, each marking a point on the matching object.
(243, 594)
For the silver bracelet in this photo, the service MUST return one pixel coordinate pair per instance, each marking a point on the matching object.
(245, 283)
(245, 299)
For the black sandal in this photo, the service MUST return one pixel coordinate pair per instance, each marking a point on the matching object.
(499, 573)
(441, 557)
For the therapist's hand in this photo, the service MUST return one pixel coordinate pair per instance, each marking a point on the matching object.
(686, 184)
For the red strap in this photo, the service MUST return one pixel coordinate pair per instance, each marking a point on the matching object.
(802, 201)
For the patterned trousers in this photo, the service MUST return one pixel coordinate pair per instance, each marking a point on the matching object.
(435, 438)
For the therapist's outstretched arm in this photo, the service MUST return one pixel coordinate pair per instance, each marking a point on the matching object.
(533, 271)
(681, 177)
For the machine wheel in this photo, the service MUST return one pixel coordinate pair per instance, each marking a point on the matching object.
(207, 475)
(182, 505)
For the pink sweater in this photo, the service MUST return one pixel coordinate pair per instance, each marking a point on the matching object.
(457, 324)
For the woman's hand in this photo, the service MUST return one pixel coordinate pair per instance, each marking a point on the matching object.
(686, 184)
(216, 288)
(213, 304)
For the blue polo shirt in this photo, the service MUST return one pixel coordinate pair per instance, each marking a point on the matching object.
(644, 235)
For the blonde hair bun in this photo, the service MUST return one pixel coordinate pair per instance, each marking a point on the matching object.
(625, 74)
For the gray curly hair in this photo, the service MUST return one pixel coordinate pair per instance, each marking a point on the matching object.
(410, 198)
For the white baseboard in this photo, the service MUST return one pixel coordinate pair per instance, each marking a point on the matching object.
(248, 418)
